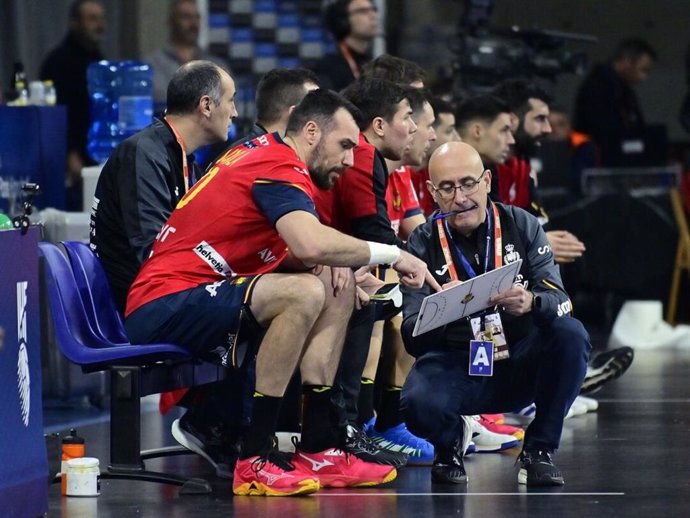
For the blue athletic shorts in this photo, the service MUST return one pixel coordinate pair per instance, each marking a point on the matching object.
(206, 319)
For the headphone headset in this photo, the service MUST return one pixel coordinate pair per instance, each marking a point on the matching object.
(337, 18)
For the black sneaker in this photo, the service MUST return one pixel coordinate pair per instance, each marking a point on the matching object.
(606, 367)
(448, 467)
(537, 469)
(359, 444)
(211, 442)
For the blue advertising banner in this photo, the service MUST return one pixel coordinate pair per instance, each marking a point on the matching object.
(23, 460)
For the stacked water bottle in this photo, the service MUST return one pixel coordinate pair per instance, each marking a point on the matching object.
(121, 103)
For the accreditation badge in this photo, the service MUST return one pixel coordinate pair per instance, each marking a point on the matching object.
(481, 358)
(490, 328)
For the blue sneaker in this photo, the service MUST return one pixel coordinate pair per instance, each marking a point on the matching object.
(399, 438)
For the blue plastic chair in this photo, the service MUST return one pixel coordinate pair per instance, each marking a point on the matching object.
(104, 318)
(135, 370)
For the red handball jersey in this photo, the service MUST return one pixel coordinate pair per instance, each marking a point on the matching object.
(426, 201)
(224, 226)
(514, 182)
(353, 195)
(401, 197)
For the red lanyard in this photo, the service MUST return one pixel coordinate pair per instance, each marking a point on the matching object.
(180, 141)
(498, 244)
(347, 54)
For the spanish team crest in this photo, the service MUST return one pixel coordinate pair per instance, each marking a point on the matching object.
(397, 201)
(511, 255)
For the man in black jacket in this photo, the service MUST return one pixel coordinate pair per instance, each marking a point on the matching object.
(547, 349)
(66, 66)
(354, 25)
(606, 106)
(148, 173)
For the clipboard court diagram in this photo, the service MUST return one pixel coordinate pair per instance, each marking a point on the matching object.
(464, 300)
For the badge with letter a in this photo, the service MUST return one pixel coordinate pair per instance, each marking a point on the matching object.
(481, 358)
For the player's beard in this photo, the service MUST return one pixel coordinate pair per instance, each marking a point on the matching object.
(526, 145)
(319, 174)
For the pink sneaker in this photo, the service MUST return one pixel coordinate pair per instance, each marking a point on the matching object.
(496, 418)
(335, 468)
(503, 429)
(271, 475)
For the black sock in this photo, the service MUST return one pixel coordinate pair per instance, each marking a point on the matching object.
(261, 431)
(389, 415)
(366, 401)
(318, 431)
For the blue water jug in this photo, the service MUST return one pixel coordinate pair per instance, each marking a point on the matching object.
(121, 103)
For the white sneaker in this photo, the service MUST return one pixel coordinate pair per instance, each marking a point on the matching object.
(488, 441)
(591, 403)
(522, 416)
(466, 433)
(576, 409)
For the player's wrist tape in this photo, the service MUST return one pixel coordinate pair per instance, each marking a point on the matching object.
(382, 254)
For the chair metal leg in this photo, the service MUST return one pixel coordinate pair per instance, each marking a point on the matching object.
(189, 486)
(126, 459)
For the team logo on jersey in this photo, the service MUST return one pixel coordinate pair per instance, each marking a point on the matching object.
(397, 201)
(301, 170)
(511, 255)
(211, 257)
(543, 249)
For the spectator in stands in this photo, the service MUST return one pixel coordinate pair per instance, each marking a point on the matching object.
(606, 106)
(66, 65)
(354, 25)
(183, 24)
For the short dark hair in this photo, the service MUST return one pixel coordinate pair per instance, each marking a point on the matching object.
(74, 13)
(440, 106)
(485, 108)
(319, 106)
(633, 49)
(394, 69)
(190, 83)
(517, 93)
(374, 98)
(279, 89)
(417, 98)
(337, 19)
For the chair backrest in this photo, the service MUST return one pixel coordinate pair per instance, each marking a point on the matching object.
(92, 281)
(76, 339)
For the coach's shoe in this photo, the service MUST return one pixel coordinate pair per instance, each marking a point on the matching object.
(448, 467)
(537, 468)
